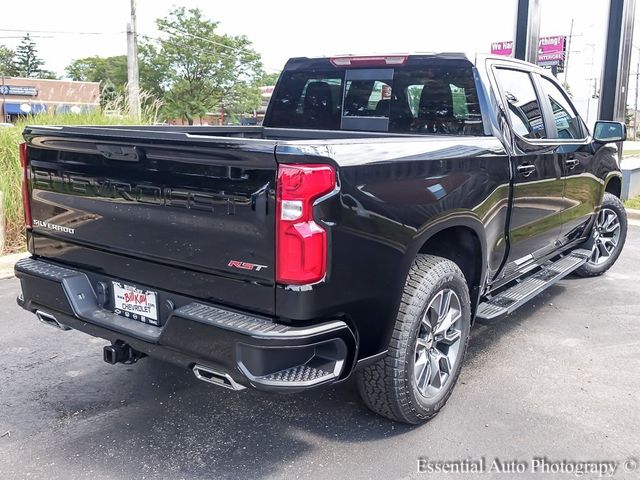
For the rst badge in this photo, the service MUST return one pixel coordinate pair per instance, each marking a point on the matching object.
(246, 266)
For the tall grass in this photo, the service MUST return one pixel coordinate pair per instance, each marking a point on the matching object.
(10, 186)
(11, 171)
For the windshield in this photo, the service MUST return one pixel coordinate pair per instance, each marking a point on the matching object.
(420, 100)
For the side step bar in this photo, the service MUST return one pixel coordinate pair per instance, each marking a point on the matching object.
(514, 297)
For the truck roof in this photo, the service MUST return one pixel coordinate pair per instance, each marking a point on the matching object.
(388, 60)
(407, 58)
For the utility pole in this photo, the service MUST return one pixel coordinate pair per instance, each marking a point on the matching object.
(635, 103)
(133, 80)
(566, 58)
(594, 95)
(4, 100)
(591, 79)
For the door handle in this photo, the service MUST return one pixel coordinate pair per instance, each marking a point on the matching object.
(526, 169)
(571, 163)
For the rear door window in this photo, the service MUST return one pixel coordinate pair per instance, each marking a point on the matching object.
(522, 103)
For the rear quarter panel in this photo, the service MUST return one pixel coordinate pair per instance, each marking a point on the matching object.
(395, 194)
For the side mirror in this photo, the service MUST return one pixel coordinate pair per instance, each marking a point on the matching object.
(609, 132)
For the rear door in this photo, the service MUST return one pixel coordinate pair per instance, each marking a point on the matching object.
(538, 183)
(187, 213)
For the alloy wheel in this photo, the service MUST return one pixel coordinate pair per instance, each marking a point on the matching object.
(438, 343)
(606, 236)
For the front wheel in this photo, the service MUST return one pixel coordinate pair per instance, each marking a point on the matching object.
(608, 236)
(416, 377)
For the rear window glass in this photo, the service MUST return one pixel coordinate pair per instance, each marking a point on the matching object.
(422, 100)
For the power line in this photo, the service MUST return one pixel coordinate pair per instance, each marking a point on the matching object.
(213, 42)
(57, 32)
(22, 36)
(171, 41)
(208, 40)
(147, 37)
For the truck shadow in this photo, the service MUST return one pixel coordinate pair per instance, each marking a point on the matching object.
(157, 420)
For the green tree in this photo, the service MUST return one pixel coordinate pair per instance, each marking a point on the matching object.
(111, 72)
(241, 100)
(567, 87)
(27, 63)
(197, 70)
(7, 66)
(109, 94)
(268, 79)
(154, 70)
(99, 69)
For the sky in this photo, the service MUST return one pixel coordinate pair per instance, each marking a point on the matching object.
(280, 29)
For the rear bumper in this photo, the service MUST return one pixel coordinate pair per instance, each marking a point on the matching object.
(254, 351)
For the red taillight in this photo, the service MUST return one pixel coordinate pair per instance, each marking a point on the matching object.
(26, 206)
(301, 244)
(369, 61)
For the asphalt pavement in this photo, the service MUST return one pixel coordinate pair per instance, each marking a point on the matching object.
(559, 379)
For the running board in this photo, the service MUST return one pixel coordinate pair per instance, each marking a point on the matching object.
(514, 297)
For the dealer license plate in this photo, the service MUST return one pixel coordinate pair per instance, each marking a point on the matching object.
(132, 302)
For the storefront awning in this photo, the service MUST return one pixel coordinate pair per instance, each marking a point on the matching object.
(23, 108)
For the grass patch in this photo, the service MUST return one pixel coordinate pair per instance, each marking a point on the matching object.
(11, 172)
(633, 203)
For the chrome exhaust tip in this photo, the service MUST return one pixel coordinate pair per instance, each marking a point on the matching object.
(49, 319)
(221, 379)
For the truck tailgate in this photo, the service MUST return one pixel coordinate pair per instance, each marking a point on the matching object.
(158, 204)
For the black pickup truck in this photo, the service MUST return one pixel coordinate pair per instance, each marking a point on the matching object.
(385, 204)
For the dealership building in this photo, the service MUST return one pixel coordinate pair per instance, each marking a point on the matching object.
(31, 96)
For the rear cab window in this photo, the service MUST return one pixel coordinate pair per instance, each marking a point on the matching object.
(423, 96)
(366, 101)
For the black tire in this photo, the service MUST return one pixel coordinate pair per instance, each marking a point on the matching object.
(389, 387)
(592, 268)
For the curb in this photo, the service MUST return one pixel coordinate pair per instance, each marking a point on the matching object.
(633, 214)
(7, 262)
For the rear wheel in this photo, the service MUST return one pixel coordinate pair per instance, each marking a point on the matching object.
(416, 377)
(608, 235)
